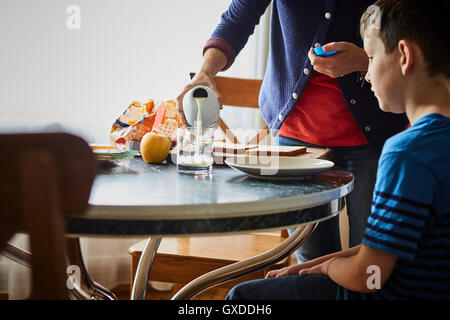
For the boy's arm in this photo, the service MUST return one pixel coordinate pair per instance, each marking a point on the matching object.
(358, 272)
(295, 269)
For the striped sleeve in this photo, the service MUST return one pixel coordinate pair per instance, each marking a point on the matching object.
(402, 204)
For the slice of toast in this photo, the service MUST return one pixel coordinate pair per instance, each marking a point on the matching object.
(282, 151)
(230, 148)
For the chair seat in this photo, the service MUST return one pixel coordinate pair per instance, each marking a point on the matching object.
(181, 260)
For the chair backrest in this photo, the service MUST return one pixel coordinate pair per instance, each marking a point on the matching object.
(238, 92)
(43, 177)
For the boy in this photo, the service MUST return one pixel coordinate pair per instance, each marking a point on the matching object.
(405, 253)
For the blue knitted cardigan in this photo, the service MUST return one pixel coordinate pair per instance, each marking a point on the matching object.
(296, 26)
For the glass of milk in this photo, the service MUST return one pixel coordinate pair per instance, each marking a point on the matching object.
(195, 150)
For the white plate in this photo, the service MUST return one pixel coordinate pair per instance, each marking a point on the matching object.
(278, 168)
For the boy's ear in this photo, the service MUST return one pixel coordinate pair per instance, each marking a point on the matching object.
(406, 51)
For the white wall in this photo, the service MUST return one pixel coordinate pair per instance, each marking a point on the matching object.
(126, 50)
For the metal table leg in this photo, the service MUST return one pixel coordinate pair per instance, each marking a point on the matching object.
(242, 268)
(86, 289)
(144, 268)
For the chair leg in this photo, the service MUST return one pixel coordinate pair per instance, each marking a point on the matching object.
(16, 254)
(228, 133)
(260, 136)
(134, 265)
(42, 218)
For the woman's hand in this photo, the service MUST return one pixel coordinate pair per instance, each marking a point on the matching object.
(350, 58)
(213, 61)
(200, 79)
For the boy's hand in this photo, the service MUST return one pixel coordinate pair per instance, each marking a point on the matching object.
(283, 272)
(350, 58)
(320, 269)
(310, 266)
(315, 266)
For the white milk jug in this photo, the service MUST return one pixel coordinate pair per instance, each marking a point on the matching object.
(201, 107)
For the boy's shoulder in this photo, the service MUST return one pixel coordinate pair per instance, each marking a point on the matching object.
(414, 163)
(429, 136)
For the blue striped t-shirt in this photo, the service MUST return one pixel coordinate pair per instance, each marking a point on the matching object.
(411, 211)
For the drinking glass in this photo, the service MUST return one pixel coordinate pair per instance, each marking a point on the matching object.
(195, 150)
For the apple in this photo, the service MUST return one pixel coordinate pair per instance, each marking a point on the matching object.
(154, 147)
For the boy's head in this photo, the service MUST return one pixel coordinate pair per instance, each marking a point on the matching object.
(405, 38)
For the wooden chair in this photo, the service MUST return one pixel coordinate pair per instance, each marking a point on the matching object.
(44, 176)
(180, 260)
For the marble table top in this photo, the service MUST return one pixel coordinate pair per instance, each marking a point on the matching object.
(156, 199)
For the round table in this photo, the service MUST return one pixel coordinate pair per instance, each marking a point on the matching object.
(157, 201)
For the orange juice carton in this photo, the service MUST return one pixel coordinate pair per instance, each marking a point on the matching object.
(167, 120)
(128, 130)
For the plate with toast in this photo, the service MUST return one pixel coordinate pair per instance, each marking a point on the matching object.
(277, 163)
